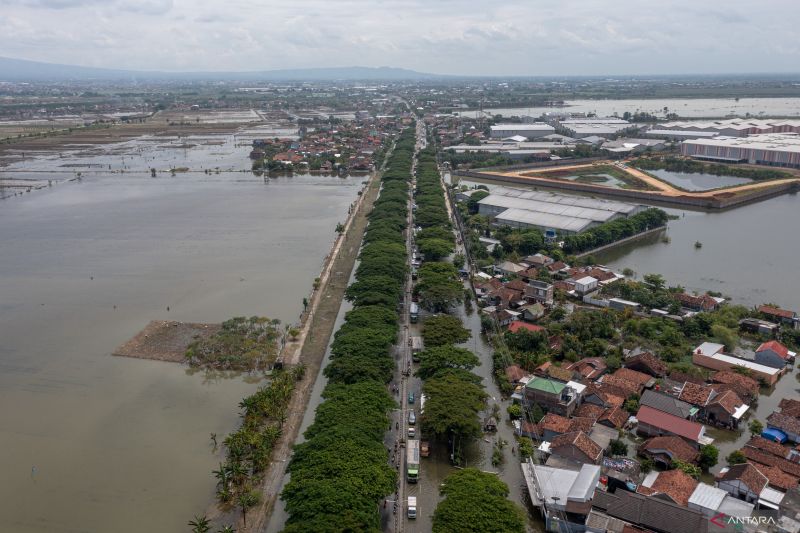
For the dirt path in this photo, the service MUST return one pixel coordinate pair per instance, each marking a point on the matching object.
(315, 343)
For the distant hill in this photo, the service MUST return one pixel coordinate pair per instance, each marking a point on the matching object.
(24, 70)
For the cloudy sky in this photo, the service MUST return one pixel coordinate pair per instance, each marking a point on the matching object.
(486, 37)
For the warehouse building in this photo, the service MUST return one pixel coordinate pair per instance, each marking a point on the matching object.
(579, 128)
(737, 127)
(773, 149)
(529, 131)
(551, 213)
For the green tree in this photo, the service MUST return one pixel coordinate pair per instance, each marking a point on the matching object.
(435, 249)
(726, 336)
(687, 468)
(618, 447)
(656, 281)
(437, 358)
(472, 203)
(736, 457)
(444, 329)
(478, 499)
(200, 524)
(452, 406)
(756, 427)
(709, 455)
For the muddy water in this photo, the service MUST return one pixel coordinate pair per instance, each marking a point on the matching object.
(93, 442)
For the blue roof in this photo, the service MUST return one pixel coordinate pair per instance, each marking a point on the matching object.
(774, 435)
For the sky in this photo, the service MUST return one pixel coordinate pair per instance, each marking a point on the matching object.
(466, 37)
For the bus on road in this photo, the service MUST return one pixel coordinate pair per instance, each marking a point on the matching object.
(412, 461)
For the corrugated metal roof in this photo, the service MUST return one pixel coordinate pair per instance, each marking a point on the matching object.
(546, 385)
(596, 215)
(707, 497)
(545, 220)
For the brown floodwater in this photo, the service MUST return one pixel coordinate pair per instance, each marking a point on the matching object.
(93, 442)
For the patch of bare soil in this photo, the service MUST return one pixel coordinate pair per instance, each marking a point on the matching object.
(163, 340)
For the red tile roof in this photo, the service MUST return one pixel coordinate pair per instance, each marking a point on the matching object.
(775, 311)
(590, 367)
(517, 325)
(728, 400)
(616, 415)
(760, 443)
(580, 441)
(656, 366)
(678, 426)
(696, 394)
(676, 446)
(775, 346)
(734, 378)
(626, 386)
(778, 478)
(589, 410)
(764, 458)
(784, 422)
(555, 423)
(632, 375)
(676, 484)
(790, 407)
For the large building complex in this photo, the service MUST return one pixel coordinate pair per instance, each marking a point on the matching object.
(529, 131)
(587, 127)
(551, 212)
(774, 149)
(737, 127)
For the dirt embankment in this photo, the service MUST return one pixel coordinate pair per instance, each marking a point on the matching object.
(164, 340)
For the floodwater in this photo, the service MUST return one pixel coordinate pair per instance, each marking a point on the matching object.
(93, 442)
(607, 180)
(698, 181)
(684, 107)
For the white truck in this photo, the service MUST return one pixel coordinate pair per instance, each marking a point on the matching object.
(412, 507)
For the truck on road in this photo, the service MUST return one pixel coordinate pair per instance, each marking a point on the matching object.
(412, 461)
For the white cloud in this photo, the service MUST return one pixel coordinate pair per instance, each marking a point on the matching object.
(514, 37)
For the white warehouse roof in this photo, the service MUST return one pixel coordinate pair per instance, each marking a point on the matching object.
(536, 126)
(597, 215)
(544, 220)
(580, 201)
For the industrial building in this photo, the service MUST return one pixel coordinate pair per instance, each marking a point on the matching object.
(550, 212)
(529, 131)
(587, 127)
(632, 146)
(736, 127)
(773, 149)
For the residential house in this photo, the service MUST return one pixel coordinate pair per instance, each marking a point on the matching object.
(577, 446)
(564, 495)
(514, 374)
(553, 425)
(504, 298)
(531, 312)
(654, 423)
(540, 292)
(777, 314)
(585, 285)
(551, 395)
(774, 354)
(789, 425)
(704, 302)
(589, 410)
(647, 513)
(790, 407)
(710, 355)
(589, 368)
(647, 363)
(613, 417)
(697, 395)
(518, 325)
(538, 260)
(673, 485)
(626, 386)
(668, 404)
(665, 450)
(556, 267)
(763, 457)
(760, 443)
(507, 268)
(759, 327)
(560, 373)
(603, 395)
(725, 409)
(743, 481)
(711, 501)
(745, 387)
(640, 378)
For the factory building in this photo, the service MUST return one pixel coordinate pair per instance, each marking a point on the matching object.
(551, 213)
(529, 131)
(773, 149)
(737, 127)
(586, 127)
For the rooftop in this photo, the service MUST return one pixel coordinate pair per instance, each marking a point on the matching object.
(546, 385)
(683, 428)
(776, 142)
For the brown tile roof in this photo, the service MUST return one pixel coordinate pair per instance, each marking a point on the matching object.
(656, 366)
(790, 407)
(558, 265)
(589, 410)
(676, 446)
(777, 477)
(559, 373)
(783, 421)
(626, 386)
(554, 422)
(676, 484)
(590, 367)
(616, 415)
(514, 373)
(748, 474)
(580, 423)
(728, 400)
(696, 394)
(580, 441)
(769, 446)
(610, 396)
(775, 311)
(733, 378)
(516, 285)
(683, 377)
(764, 458)
(704, 301)
(632, 375)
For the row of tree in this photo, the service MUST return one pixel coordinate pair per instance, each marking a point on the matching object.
(677, 164)
(341, 471)
(615, 230)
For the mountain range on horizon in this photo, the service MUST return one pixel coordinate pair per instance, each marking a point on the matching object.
(24, 70)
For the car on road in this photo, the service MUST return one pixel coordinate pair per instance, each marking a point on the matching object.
(411, 398)
(412, 418)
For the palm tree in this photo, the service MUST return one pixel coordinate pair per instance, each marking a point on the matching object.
(227, 529)
(200, 524)
(246, 500)
(221, 475)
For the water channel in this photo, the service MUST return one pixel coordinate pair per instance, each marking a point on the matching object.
(94, 442)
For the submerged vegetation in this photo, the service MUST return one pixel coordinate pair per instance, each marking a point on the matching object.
(691, 166)
(241, 344)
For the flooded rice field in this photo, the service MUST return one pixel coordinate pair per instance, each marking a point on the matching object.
(94, 442)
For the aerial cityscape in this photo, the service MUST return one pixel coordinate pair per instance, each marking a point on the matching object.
(399, 267)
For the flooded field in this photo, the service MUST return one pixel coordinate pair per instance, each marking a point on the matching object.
(94, 442)
(694, 181)
(684, 107)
